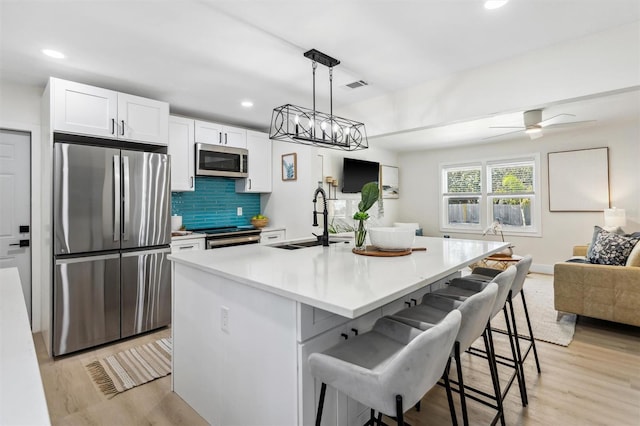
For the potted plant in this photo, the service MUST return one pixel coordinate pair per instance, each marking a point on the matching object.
(370, 194)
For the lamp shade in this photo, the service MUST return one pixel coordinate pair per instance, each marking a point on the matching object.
(614, 217)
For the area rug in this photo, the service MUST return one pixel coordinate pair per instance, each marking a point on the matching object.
(538, 291)
(127, 369)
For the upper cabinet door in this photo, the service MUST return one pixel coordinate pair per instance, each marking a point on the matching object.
(259, 179)
(210, 133)
(181, 150)
(144, 120)
(235, 137)
(83, 109)
(217, 134)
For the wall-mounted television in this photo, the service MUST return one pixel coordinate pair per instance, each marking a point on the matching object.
(355, 173)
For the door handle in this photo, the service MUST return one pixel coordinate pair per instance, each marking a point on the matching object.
(122, 121)
(113, 126)
(116, 198)
(22, 243)
(125, 202)
(23, 229)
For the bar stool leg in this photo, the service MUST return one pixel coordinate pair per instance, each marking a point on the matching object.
(493, 369)
(323, 390)
(533, 341)
(447, 386)
(519, 353)
(399, 411)
(463, 400)
(514, 356)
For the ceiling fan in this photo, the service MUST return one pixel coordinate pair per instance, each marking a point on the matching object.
(533, 124)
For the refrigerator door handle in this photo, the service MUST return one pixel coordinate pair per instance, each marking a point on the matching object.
(126, 202)
(116, 198)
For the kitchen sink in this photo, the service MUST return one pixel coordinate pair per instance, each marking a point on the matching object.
(301, 244)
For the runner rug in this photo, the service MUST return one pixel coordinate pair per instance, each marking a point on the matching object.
(136, 366)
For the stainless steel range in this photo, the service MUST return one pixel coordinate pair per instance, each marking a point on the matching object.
(229, 236)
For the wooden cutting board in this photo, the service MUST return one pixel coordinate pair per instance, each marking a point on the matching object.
(375, 251)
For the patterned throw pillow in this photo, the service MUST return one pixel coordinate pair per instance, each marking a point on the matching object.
(609, 248)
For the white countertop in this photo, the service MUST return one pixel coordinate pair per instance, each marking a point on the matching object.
(22, 400)
(190, 236)
(335, 279)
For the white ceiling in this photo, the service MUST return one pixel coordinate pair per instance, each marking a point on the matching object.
(205, 57)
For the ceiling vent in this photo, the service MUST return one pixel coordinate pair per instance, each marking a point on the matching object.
(357, 84)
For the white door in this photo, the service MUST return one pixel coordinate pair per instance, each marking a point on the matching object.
(15, 208)
(210, 133)
(259, 180)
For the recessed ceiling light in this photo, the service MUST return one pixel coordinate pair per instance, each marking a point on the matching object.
(494, 4)
(53, 53)
(246, 104)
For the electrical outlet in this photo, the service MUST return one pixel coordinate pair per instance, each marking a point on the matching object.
(239, 211)
(224, 319)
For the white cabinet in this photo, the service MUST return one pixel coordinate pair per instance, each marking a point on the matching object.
(338, 408)
(259, 179)
(181, 150)
(83, 109)
(274, 236)
(217, 134)
(182, 245)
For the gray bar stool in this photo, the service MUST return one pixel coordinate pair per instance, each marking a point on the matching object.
(461, 288)
(522, 267)
(475, 312)
(389, 368)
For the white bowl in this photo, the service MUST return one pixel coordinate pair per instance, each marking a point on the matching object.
(392, 239)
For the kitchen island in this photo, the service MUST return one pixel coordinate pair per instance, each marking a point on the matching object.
(246, 318)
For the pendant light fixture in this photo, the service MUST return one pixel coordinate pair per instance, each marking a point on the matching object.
(297, 124)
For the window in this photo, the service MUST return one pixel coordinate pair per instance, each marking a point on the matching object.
(474, 195)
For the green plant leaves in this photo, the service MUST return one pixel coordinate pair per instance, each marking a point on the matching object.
(370, 194)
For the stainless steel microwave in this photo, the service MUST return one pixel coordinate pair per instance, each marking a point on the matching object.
(214, 160)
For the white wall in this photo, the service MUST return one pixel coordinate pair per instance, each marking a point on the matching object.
(20, 110)
(290, 204)
(598, 63)
(560, 230)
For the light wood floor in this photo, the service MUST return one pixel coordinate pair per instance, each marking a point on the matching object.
(594, 381)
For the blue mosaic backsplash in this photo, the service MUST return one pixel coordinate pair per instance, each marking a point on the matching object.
(214, 203)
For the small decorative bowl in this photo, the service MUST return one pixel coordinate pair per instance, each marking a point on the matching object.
(392, 238)
(260, 223)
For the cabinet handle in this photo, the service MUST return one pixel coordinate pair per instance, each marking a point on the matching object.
(249, 183)
(345, 335)
(415, 302)
(220, 138)
(191, 181)
(113, 126)
(408, 304)
(225, 138)
(185, 247)
(271, 237)
(122, 121)
(355, 331)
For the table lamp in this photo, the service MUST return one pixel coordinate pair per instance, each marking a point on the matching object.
(614, 218)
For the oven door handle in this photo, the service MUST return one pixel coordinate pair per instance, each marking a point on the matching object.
(247, 239)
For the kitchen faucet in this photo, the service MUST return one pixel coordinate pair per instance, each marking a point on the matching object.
(325, 213)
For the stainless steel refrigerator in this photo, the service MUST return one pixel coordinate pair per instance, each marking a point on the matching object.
(111, 219)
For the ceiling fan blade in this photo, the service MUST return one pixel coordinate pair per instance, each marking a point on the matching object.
(555, 116)
(503, 134)
(569, 124)
(507, 127)
(536, 135)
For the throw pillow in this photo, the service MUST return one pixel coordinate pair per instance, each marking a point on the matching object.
(609, 248)
(634, 257)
